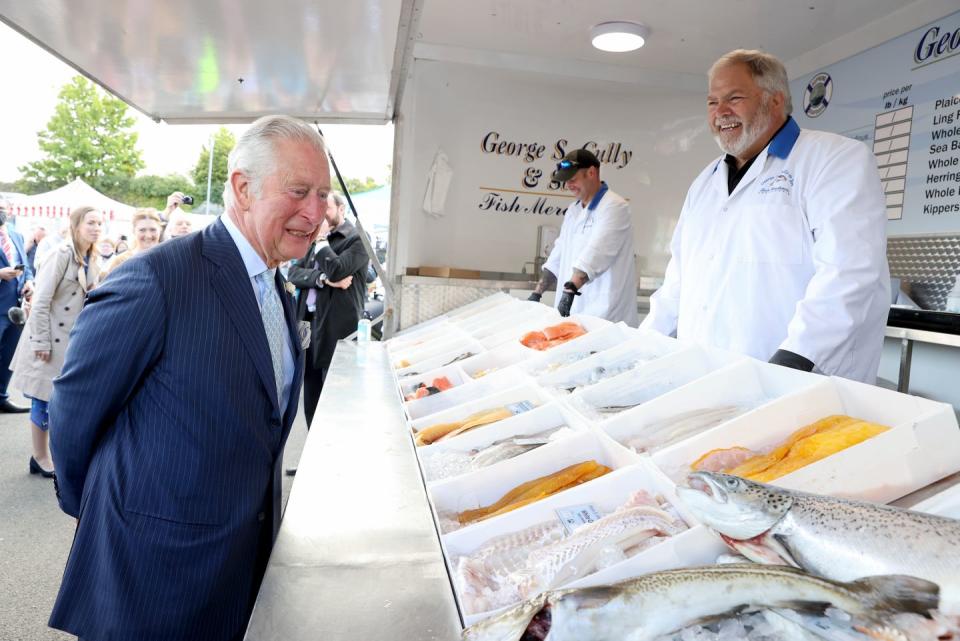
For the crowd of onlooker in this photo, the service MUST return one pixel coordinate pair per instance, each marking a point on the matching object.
(44, 279)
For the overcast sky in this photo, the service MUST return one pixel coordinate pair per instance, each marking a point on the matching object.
(32, 78)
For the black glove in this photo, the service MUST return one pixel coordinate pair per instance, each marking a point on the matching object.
(793, 361)
(535, 297)
(566, 299)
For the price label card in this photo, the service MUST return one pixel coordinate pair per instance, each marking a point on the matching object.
(576, 516)
(521, 407)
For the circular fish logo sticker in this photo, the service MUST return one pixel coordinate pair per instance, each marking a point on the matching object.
(817, 96)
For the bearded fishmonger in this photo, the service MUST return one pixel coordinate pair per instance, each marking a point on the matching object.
(780, 249)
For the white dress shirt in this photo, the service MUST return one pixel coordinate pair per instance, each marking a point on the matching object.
(255, 266)
(598, 240)
(794, 258)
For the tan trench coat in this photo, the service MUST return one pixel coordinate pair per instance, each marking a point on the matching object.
(60, 290)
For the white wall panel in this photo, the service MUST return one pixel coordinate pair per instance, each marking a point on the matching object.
(452, 107)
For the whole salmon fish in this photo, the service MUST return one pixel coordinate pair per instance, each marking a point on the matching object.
(652, 605)
(839, 539)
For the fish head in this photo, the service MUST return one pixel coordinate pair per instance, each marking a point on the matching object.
(733, 506)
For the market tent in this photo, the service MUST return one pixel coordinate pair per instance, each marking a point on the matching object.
(59, 202)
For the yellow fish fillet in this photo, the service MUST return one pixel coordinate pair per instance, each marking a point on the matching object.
(808, 444)
(440, 431)
(538, 488)
(820, 446)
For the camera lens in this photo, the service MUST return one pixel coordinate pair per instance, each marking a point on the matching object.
(188, 200)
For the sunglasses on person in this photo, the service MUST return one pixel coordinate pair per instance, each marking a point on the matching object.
(568, 164)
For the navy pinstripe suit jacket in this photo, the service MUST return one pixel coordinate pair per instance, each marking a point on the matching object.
(167, 439)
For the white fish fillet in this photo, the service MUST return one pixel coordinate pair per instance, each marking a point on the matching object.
(515, 566)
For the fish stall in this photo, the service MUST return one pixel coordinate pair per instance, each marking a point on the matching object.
(497, 469)
(526, 459)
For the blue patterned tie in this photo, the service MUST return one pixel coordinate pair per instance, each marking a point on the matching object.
(274, 325)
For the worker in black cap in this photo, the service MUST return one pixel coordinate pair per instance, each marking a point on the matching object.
(595, 249)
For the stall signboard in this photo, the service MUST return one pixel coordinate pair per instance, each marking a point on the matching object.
(501, 134)
(902, 98)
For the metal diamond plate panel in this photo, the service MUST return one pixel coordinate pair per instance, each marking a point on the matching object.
(927, 266)
(420, 302)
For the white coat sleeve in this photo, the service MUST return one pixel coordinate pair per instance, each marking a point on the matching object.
(665, 302)
(844, 204)
(611, 231)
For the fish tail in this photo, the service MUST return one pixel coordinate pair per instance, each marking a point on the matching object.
(897, 593)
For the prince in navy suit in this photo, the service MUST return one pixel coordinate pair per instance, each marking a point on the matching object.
(168, 422)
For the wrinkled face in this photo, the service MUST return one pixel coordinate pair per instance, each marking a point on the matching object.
(584, 183)
(283, 219)
(180, 227)
(735, 507)
(90, 227)
(147, 233)
(741, 115)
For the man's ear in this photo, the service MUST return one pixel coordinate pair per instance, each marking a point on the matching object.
(778, 100)
(241, 187)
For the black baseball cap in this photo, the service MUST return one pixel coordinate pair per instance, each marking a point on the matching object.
(573, 162)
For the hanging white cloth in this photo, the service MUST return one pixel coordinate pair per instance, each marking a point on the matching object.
(438, 184)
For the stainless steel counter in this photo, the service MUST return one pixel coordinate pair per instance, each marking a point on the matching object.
(907, 337)
(358, 555)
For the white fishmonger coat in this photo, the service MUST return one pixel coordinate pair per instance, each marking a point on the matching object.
(794, 259)
(599, 242)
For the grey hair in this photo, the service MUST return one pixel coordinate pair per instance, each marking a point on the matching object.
(255, 153)
(767, 71)
(338, 198)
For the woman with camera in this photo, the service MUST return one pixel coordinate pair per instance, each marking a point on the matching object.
(61, 287)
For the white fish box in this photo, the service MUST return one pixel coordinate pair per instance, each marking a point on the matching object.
(551, 416)
(513, 332)
(922, 446)
(431, 347)
(747, 383)
(526, 392)
(488, 485)
(497, 359)
(510, 330)
(469, 391)
(554, 359)
(609, 363)
(647, 382)
(695, 546)
(945, 503)
(451, 353)
(441, 332)
(454, 373)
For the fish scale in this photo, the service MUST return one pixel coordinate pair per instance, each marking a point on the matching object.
(841, 539)
(651, 605)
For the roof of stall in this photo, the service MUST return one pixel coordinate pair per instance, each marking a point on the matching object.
(187, 61)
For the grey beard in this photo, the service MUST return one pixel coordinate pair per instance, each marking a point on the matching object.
(750, 132)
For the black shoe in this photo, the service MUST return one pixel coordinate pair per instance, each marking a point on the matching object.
(36, 469)
(7, 407)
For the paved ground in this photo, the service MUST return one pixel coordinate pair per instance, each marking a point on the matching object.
(35, 535)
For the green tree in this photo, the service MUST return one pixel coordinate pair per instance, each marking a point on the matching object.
(87, 137)
(223, 144)
(150, 190)
(356, 185)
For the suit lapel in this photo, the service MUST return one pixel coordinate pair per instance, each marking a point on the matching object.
(232, 286)
(290, 314)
